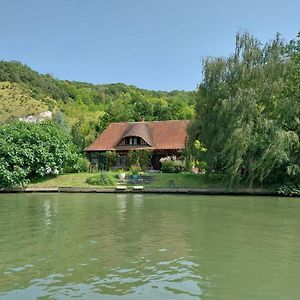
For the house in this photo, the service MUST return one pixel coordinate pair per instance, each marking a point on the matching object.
(164, 138)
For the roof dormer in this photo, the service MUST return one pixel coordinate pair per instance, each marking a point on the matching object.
(137, 134)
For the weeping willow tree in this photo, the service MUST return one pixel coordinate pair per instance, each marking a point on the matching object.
(247, 116)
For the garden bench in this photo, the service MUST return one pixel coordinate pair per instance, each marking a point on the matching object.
(121, 187)
(138, 187)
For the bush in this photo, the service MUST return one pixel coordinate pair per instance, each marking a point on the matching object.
(172, 166)
(29, 150)
(81, 165)
(168, 166)
(112, 158)
(140, 158)
(288, 189)
(103, 179)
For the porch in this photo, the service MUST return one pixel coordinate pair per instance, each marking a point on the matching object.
(99, 159)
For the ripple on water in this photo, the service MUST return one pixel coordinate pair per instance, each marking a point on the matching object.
(174, 276)
(158, 279)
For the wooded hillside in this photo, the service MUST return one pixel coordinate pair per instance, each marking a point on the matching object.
(84, 109)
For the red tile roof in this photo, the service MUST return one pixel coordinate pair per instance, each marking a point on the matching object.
(158, 134)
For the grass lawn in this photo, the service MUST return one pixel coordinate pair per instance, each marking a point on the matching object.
(185, 180)
(160, 180)
(73, 180)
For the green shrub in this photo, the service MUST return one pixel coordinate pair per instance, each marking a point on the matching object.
(288, 189)
(141, 158)
(81, 165)
(168, 166)
(112, 158)
(103, 179)
(172, 166)
(29, 150)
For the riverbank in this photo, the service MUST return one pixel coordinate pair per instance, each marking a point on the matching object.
(156, 183)
(209, 191)
(151, 180)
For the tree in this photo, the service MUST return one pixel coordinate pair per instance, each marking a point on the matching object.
(29, 150)
(240, 115)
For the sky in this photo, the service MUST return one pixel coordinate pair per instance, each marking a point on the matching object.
(153, 44)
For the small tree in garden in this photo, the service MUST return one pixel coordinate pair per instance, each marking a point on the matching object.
(194, 156)
(199, 149)
(140, 158)
(112, 158)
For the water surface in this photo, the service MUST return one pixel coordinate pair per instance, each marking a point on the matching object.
(111, 246)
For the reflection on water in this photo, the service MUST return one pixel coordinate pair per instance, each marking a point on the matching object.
(121, 205)
(96, 246)
(50, 210)
(138, 201)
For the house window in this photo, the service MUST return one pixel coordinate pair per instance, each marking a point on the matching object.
(133, 141)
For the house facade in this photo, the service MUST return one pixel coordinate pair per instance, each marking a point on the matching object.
(163, 138)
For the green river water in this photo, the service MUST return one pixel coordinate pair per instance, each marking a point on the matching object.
(111, 246)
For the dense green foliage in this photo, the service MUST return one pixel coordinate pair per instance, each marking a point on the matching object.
(82, 164)
(172, 166)
(31, 150)
(39, 85)
(193, 156)
(168, 166)
(112, 158)
(86, 108)
(247, 112)
(140, 158)
(103, 179)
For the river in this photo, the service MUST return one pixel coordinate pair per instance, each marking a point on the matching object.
(135, 246)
